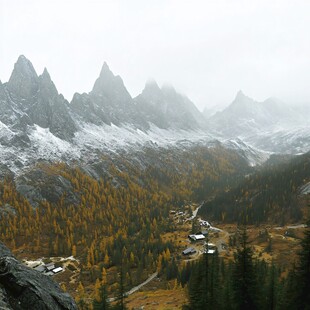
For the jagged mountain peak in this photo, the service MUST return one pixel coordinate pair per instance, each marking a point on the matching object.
(25, 67)
(105, 70)
(151, 88)
(240, 94)
(241, 98)
(24, 79)
(46, 74)
(151, 83)
(108, 83)
(45, 77)
(46, 83)
(242, 105)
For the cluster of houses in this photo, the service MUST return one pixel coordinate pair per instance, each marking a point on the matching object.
(48, 269)
(210, 248)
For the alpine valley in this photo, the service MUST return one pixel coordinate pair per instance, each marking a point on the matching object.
(107, 189)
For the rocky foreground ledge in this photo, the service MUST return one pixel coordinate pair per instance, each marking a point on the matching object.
(24, 288)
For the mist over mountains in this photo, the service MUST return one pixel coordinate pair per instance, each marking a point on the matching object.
(36, 122)
(108, 153)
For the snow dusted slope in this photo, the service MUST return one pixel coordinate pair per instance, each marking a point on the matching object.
(92, 140)
(39, 124)
(271, 125)
(42, 145)
(285, 140)
(253, 155)
(114, 137)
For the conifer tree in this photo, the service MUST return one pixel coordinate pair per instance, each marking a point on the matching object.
(102, 302)
(121, 291)
(244, 278)
(302, 299)
(196, 288)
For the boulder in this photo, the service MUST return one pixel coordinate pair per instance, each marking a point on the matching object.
(24, 288)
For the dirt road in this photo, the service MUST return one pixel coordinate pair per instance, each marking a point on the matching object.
(136, 288)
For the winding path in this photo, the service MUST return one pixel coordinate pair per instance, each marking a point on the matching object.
(136, 288)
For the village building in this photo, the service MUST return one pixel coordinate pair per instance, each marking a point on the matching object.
(204, 232)
(198, 237)
(40, 268)
(210, 248)
(189, 251)
(48, 269)
(50, 266)
(58, 269)
(210, 251)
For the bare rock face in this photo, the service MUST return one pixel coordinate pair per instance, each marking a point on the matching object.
(29, 99)
(24, 79)
(36, 185)
(166, 108)
(4, 303)
(24, 288)
(108, 102)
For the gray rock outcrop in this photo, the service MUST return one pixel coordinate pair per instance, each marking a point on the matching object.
(108, 102)
(22, 288)
(28, 99)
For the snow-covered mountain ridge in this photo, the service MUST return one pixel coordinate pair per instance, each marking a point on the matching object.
(270, 125)
(37, 123)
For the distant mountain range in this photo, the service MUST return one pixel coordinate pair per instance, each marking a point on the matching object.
(36, 122)
(270, 125)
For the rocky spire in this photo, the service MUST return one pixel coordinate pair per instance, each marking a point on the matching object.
(24, 79)
(46, 84)
(110, 86)
(151, 89)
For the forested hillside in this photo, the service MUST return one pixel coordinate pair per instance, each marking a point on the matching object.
(112, 216)
(268, 195)
(113, 221)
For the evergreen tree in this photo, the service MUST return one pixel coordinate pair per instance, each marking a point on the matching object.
(226, 294)
(102, 303)
(203, 287)
(121, 291)
(302, 299)
(244, 279)
(196, 288)
(213, 286)
(271, 288)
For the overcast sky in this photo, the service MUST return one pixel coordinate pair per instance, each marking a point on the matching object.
(207, 49)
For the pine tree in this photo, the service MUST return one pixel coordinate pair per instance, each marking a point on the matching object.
(213, 297)
(271, 288)
(121, 291)
(302, 299)
(196, 288)
(101, 302)
(81, 297)
(244, 279)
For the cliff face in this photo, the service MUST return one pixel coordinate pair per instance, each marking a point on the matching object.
(24, 288)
